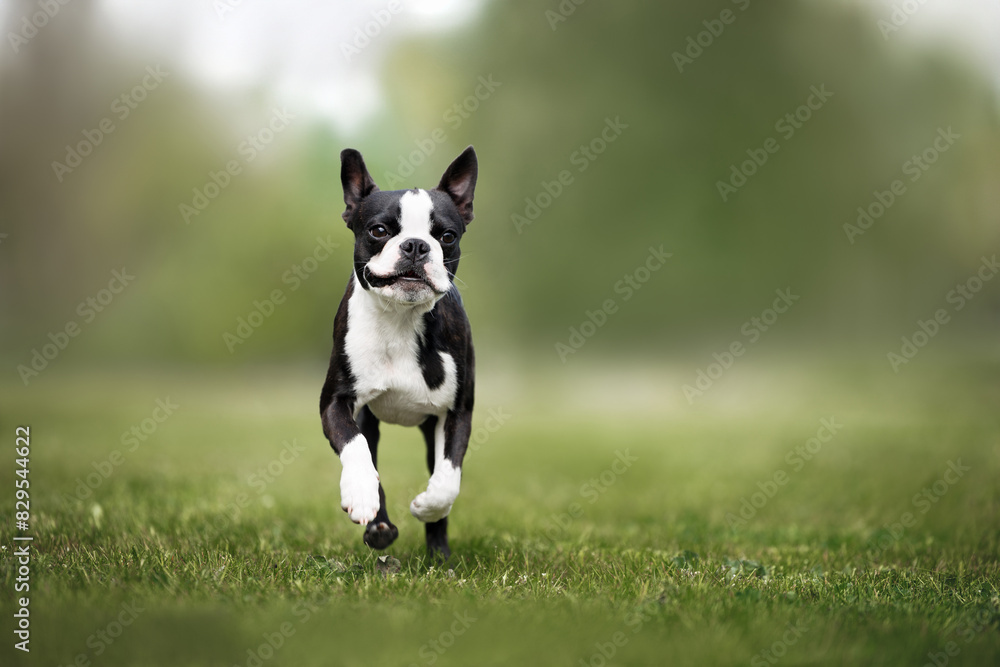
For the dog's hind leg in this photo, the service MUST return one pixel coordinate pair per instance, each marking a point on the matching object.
(437, 531)
(380, 532)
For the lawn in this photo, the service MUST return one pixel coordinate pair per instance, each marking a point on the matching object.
(836, 515)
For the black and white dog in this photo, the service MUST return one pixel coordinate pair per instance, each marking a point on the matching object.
(402, 346)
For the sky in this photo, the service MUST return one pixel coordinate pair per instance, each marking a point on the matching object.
(323, 57)
(318, 56)
(972, 26)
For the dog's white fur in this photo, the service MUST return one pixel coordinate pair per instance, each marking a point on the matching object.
(384, 358)
(443, 486)
(358, 481)
(415, 221)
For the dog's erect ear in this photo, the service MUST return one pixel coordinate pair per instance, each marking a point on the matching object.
(356, 180)
(459, 182)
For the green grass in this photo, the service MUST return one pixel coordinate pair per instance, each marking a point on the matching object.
(548, 568)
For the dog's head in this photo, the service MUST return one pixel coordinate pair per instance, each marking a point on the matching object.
(406, 241)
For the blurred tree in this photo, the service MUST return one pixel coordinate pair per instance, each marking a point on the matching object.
(701, 89)
(134, 141)
(600, 136)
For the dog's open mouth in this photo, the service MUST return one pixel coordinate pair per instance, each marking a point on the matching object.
(410, 275)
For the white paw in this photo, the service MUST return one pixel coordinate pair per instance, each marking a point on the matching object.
(442, 490)
(359, 495)
(358, 482)
(429, 508)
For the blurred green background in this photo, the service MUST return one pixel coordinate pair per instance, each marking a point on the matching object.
(553, 82)
(170, 229)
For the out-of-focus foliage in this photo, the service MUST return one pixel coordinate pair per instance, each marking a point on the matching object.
(654, 184)
(658, 182)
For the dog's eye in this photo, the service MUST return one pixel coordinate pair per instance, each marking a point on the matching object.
(448, 238)
(378, 232)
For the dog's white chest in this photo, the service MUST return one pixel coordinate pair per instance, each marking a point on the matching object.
(383, 350)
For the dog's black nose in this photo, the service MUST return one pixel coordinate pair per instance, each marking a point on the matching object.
(414, 249)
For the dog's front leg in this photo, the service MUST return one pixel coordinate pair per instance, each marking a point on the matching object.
(359, 481)
(447, 440)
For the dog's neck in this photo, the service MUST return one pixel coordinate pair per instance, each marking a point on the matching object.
(390, 313)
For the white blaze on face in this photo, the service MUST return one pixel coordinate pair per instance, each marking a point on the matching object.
(415, 222)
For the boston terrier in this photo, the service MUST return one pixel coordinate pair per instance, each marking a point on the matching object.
(402, 345)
